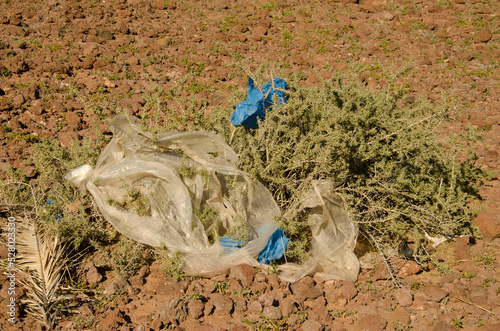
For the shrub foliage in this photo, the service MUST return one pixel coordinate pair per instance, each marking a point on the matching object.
(389, 162)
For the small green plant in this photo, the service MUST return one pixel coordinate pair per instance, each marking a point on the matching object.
(172, 267)
(370, 287)
(457, 323)
(343, 313)
(221, 286)
(486, 259)
(125, 258)
(114, 76)
(486, 282)
(84, 323)
(417, 286)
(400, 326)
(54, 47)
(196, 87)
(19, 136)
(266, 324)
(468, 275)
(192, 66)
(134, 201)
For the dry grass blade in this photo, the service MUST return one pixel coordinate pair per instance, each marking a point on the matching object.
(41, 263)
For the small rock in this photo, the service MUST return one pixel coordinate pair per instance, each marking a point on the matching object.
(158, 4)
(367, 8)
(19, 99)
(348, 290)
(106, 35)
(118, 284)
(488, 223)
(258, 32)
(289, 306)
(443, 326)
(240, 305)
(299, 60)
(273, 280)
(234, 285)
(267, 299)
(273, 313)
(223, 304)
(33, 92)
(448, 278)
(209, 308)
(304, 291)
(319, 312)
(409, 268)
(85, 310)
(244, 273)
(195, 308)
(404, 297)
(312, 325)
(483, 36)
(260, 277)
(172, 310)
(92, 275)
(112, 320)
(462, 247)
(434, 292)
(370, 321)
(255, 307)
(479, 297)
(30, 171)
(88, 62)
(381, 272)
(139, 99)
(4, 105)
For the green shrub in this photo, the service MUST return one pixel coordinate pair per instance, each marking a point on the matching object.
(57, 203)
(396, 173)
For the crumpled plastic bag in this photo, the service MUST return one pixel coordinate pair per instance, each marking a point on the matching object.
(181, 191)
(258, 102)
(334, 237)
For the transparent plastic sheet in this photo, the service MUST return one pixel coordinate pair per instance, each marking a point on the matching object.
(334, 236)
(182, 190)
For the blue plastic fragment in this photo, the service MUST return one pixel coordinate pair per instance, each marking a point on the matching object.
(275, 247)
(274, 250)
(58, 216)
(258, 102)
(229, 242)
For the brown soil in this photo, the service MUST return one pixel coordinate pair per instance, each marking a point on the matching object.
(106, 50)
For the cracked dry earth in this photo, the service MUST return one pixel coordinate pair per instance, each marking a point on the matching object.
(66, 66)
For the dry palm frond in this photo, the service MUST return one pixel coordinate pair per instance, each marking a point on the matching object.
(41, 263)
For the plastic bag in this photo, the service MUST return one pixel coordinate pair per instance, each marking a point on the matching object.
(258, 102)
(334, 236)
(182, 191)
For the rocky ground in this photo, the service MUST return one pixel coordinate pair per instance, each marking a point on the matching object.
(66, 66)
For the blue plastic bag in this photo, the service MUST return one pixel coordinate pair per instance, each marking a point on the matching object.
(274, 250)
(258, 102)
(275, 247)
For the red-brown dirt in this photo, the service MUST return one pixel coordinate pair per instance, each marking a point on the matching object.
(94, 57)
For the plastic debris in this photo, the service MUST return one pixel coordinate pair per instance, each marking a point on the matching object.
(275, 248)
(182, 192)
(258, 102)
